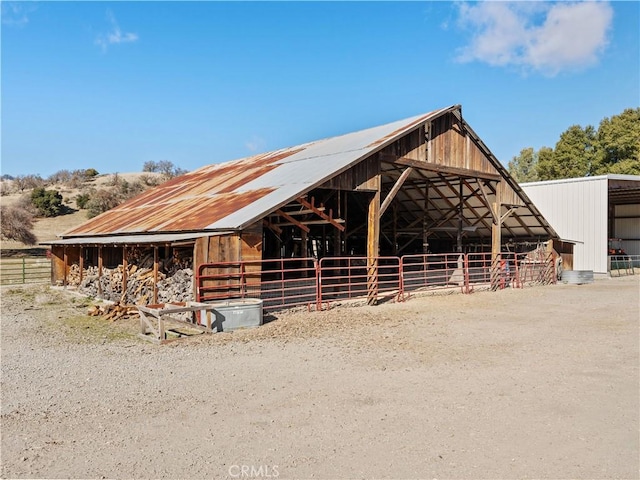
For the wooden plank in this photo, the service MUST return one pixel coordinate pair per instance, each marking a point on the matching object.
(394, 190)
(272, 226)
(293, 221)
(329, 218)
(436, 167)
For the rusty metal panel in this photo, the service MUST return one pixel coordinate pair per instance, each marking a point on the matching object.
(236, 194)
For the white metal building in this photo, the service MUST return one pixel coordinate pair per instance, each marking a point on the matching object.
(589, 211)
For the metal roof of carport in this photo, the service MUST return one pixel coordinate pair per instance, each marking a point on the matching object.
(234, 195)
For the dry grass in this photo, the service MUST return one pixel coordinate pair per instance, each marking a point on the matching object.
(46, 229)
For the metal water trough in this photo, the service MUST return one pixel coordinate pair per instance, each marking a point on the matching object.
(234, 314)
(577, 277)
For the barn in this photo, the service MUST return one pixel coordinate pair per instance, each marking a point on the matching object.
(417, 203)
(600, 214)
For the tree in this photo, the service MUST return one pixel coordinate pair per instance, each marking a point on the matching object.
(619, 144)
(573, 156)
(101, 201)
(47, 202)
(16, 224)
(523, 167)
(165, 167)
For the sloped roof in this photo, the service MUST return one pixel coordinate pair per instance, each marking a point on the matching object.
(235, 194)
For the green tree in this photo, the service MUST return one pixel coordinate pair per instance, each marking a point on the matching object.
(47, 202)
(619, 144)
(574, 155)
(523, 167)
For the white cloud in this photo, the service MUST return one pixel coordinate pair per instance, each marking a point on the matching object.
(115, 36)
(16, 14)
(539, 36)
(255, 144)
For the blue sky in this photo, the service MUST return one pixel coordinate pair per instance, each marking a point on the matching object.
(111, 85)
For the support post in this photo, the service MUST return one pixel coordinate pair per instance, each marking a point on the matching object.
(373, 244)
(66, 266)
(425, 220)
(155, 274)
(125, 268)
(496, 237)
(100, 271)
(460, 212)
(81, 262)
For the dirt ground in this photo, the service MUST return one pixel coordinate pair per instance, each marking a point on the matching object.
(534, 383)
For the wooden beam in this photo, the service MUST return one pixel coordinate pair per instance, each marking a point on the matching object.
(155, 274)
(81, 262)
(272, 226)
(329, 218)
(66, 267)
(435, 167)
(125, 266)
(394, 190)
(100, 271)
(293, 220)
(373, 245)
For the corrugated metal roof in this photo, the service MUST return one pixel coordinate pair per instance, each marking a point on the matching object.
(160, 238)
(235, 194)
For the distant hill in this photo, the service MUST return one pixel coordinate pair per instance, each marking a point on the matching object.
(49, 228)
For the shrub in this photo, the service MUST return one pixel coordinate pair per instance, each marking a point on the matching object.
(90, 172)
(47, 202)
(16, 224)
(82, 200)
(101, 201)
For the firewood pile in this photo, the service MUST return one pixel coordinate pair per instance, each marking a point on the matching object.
(113, 312)
(174, 287)
(175, 283)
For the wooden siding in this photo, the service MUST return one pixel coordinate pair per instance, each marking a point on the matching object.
(452, 147)
(357, 178)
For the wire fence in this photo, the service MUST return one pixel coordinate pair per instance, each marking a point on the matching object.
(16, 271)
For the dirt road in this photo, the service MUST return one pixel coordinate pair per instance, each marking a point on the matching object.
(534, 383)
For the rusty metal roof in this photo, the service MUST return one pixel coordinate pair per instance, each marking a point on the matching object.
(235, 194)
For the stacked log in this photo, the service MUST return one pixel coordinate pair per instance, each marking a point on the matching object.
(113, 312)
(175, 287)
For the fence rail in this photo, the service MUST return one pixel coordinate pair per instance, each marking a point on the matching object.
(308, 282)
(621, 265)
(15, 271)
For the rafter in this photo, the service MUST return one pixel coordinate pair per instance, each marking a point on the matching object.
(394, 190)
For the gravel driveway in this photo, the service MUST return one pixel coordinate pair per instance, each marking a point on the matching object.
(534, 383)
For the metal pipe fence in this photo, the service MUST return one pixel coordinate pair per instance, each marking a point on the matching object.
(292, 282)
(15, 271)
(622, 265)
(280, 283)
(341, 278)
(432, 271)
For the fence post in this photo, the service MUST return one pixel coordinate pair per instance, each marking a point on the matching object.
(24, 270)
(316, 264)
(465, 273)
